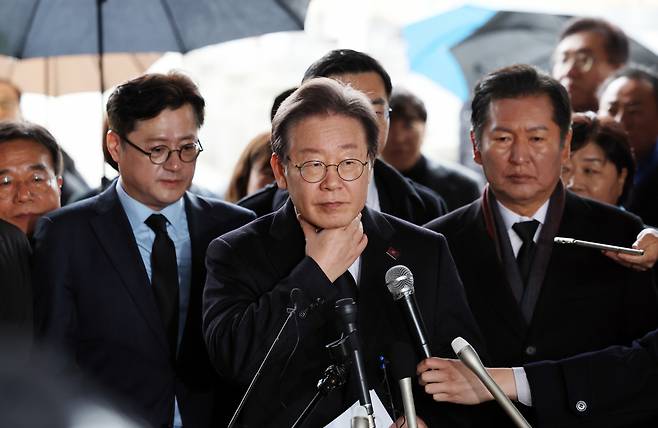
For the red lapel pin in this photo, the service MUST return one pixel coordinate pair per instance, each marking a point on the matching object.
(393, 253)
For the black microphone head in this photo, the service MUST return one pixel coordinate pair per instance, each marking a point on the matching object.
(400, 281)
(346, 310)
(403, 360)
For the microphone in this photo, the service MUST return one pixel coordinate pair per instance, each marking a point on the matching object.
(470, 358)
(346, 310)
(400, 282)
(403, 367)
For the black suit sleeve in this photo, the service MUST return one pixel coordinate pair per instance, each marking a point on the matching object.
(16, 299)
(616, 386)
(243, 310)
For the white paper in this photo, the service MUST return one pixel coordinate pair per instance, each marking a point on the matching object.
(382, 419)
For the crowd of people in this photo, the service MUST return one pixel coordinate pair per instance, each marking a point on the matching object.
(168, 299)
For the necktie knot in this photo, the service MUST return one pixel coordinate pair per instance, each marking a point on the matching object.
(157, 223)
(526, 230)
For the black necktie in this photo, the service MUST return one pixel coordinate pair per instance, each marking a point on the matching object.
(164, 278)
(526, 231)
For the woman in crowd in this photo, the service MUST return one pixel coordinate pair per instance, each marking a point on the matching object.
(252, 171)
(602, 164)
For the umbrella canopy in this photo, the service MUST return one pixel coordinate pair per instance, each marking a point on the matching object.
(479, 41)
(47, 28)
(61, 75)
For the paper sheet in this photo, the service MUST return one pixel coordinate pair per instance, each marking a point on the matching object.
(382, 419)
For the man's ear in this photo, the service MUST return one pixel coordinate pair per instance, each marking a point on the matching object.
(113, 144)
(279, 170)
(477, 157)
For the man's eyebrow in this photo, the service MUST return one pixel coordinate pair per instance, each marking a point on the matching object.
(34, 167)
(378, 101)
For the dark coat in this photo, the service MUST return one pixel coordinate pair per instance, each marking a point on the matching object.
(577, 299)
(93, 298)
(615, 387)
(251, 273)
(456, 184)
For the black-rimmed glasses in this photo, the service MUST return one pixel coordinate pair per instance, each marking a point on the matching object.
(160, 154)
(314, 171)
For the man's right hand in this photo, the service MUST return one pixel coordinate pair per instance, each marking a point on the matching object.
(334, 250)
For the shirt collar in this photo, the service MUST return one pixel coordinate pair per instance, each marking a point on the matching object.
(510, 217)
(137, 212)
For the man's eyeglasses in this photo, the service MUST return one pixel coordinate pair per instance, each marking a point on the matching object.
(160, 154)
(582, 61)
(314, 171)
(37, 183)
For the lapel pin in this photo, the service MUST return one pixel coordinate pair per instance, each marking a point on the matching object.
(393, 253)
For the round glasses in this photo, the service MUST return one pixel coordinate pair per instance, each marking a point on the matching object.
(37, 183)
(314, 171)
(160, 154)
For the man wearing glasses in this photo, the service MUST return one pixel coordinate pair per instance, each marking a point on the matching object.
(325, 242)
(119, 277)
(588, 52)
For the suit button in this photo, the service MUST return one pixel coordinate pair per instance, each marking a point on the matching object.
(530, 350)
(581, 406)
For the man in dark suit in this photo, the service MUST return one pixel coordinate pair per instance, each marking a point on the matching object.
(119, 277)
(630, 97)
(534, 300)
(456, 184)
(389, 191)
(324, 242)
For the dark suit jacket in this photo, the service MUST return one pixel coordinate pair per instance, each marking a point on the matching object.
(398, 196)
(618, 385)
(15, 286)
(643, 199)
(93, 298)
(251, 273)
(586, 301)
(456, 184)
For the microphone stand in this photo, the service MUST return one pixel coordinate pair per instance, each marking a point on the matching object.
(234, 419)
(334, 376)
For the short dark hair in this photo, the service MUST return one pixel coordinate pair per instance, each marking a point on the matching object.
(278, 100)
(519, 81)
(407, 106)
(633, 72)
(611, 137)
(323, 96)
(23, 130)
(146, 96)
(616, 42)
(13, 86)
(344, 61)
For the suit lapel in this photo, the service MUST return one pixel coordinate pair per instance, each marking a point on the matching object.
(489, 279)
(374, 263)
(286, 229)
(115, 235)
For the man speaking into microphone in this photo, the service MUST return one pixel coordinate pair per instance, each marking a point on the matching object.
(325, 242)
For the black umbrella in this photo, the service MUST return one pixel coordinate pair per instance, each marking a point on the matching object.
(474, 41)
(46, 28)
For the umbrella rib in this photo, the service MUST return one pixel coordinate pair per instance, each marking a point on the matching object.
(291, 13)
(177, 35)
(21, 50)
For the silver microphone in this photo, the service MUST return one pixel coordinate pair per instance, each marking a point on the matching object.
(470, 358)
(400, 282)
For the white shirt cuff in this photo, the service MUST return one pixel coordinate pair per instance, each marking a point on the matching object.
(522, 386)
